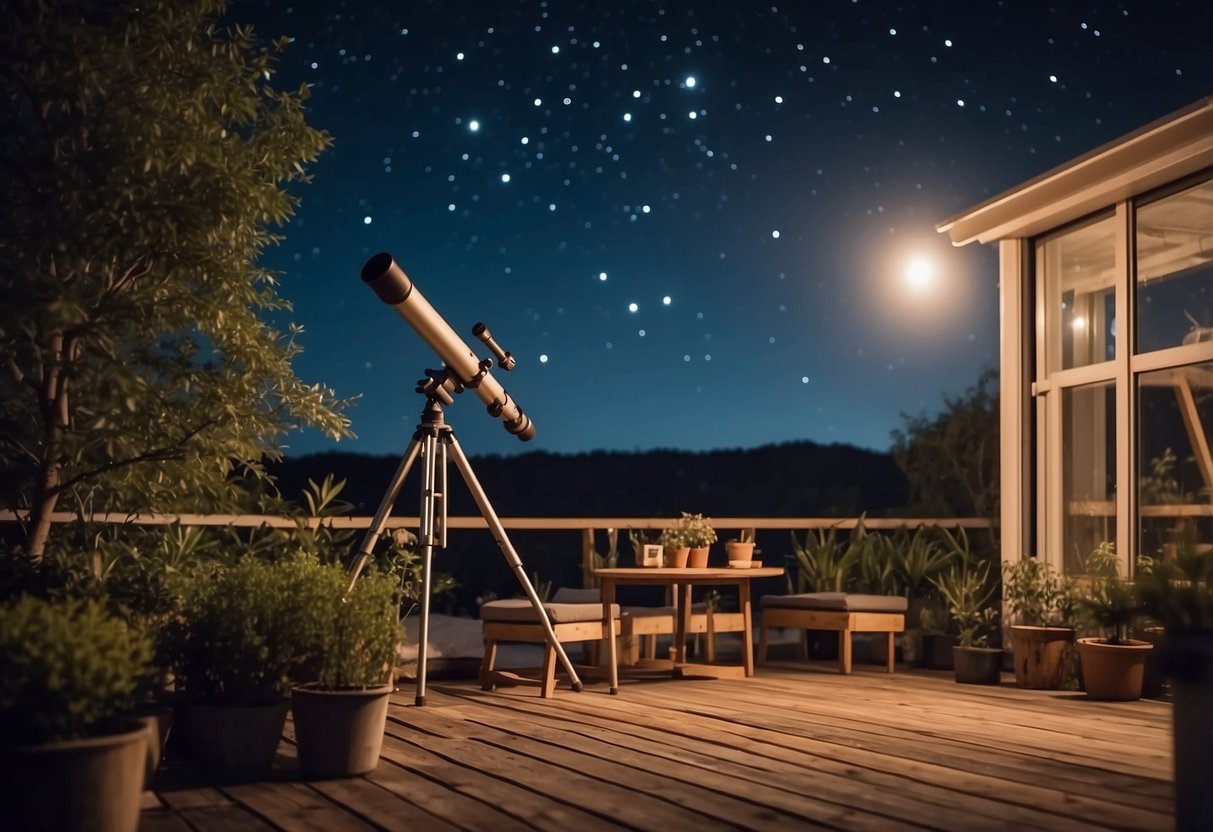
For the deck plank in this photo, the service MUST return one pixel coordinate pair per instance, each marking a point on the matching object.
(796, 746)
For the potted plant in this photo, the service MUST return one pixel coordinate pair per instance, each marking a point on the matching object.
(741, 548)
(920, 557)
(967, 592)
(698, 535)
(674, 544)
(1042, 603)
(340, 717)
(937, 642)
(240, 636)
(68, 669)
(1178, 594)
(1112, 666)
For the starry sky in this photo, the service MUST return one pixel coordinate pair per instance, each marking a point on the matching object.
(696, 225)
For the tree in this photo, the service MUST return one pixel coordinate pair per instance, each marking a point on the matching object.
(145, 159)
(951, 461)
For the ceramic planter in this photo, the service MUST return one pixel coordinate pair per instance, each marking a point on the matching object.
(677, 557)
(339, 732)
(95, 783)
(736, 550)
(232, 743)
(1040, 655)
(977, 665)
(1113, 671)
(697, 558)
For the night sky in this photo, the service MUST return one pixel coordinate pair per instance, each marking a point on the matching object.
(696, 225)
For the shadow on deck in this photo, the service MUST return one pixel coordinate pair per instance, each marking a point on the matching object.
(795, 747)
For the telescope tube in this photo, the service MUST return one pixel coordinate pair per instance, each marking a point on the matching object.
(384, 275)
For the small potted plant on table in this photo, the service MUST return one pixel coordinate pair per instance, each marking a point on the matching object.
(340, 717)
(675, 548)
(698, 535)
(68, 670)
(1112, 666)
(1042, 603)
(740, 549)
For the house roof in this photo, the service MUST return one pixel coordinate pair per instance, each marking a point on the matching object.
(1160, 152)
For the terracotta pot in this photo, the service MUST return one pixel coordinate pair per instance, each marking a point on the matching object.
(698, 557)
(977, 665)
(736, 550)
(677, 557)
(339, 732)
(1040, 655)
(92, 784)
(1113, 671)
(232, 743)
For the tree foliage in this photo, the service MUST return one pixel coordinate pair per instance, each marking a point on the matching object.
(145, 159)
(951, 460)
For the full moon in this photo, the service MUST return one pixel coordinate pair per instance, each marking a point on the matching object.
(920, 274)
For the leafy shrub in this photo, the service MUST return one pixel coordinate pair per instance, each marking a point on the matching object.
(353, 632)
(243, 630)
(1037, 594)
(696, 530)
(65, 668)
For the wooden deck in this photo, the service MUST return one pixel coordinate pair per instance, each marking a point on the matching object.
(796, 747)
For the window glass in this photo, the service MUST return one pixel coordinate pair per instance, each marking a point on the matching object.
(1175, 471)
(1175, 269)
(1079, 269)
(1088, 472)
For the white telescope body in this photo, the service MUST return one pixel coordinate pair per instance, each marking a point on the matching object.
(383, 274)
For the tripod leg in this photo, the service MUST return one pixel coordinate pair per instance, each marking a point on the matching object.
(511, 556)
(385, 508)
(429, 499)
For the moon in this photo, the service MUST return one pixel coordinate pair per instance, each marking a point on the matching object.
(920, 275)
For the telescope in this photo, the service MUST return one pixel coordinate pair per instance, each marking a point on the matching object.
(464, 371)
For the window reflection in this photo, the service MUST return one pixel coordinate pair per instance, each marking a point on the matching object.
(1079, 268)
(1175, 269)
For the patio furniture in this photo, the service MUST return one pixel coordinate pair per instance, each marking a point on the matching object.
(642, 625)
(683, 579)
(515, 620)
(844, 612)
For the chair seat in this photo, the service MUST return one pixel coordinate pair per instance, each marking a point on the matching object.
(519, 610)
(836, 601)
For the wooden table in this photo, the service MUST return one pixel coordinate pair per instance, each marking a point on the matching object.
(681, 581)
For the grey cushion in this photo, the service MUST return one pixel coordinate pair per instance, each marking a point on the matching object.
(520, 610)
(569, 595)
(836, 601)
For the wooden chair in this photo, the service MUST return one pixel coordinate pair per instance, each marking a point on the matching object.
(841, 611)
(514, 620)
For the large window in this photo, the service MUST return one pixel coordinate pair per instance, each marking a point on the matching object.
(1124, 435)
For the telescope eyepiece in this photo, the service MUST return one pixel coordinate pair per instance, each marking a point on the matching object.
(505, 360)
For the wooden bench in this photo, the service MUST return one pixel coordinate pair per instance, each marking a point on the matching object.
(514, 620)
(844, 612)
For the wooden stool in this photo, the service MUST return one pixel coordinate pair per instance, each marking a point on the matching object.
(514, 620)
(839, 611)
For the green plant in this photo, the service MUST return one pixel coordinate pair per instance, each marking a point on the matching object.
(1178, 592)
(673, 538)
(932, 619)
(877, 566)
(148, 165)
(823, 564)
(243, 630)
(66, 667)
(967, 590)
(696, 530)
(1037, 595)
(356, 629)
(921, 557)
(1106, 600)
(401, 558)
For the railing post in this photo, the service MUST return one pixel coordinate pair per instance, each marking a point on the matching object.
(587, 558)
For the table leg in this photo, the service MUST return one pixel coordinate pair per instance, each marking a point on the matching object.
(683, 623)
(608, 629)
(747, 627)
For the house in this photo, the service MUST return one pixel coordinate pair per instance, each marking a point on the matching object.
(1106, 329)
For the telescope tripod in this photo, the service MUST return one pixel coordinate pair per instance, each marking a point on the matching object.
(432, 441)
